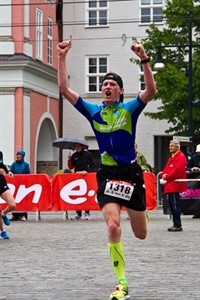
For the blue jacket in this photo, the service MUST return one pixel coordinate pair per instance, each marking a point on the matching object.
(20, 167)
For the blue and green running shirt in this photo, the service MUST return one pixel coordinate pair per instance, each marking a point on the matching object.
(114, 128)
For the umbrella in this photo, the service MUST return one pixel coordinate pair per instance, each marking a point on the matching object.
(68, 143)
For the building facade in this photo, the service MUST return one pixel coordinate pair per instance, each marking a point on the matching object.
(102, 33)
(32, 113)
(29, 108)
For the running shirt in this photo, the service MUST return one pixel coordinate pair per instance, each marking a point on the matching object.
(114, 128)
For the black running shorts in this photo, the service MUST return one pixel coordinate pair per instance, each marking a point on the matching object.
(3, 184)
(131, 174)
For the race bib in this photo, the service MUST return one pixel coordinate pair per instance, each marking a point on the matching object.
(119, 189)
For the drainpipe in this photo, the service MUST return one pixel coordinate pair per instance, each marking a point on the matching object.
(59, 21)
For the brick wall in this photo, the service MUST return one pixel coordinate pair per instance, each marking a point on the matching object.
(47, 167)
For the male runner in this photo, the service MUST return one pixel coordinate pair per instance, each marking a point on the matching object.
(120, 179)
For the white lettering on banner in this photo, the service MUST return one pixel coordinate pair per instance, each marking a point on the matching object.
(75, 188)
(22, 192)
(2, 201)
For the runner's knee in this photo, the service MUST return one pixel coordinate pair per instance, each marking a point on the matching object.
(12, 206)
(114, 230)
(141, 234)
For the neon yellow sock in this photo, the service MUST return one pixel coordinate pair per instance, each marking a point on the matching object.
(117, 257)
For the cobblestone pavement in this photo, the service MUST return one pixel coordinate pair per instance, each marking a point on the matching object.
(55, 259)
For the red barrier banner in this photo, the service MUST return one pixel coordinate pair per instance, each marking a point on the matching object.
(78, 192)
(40, 192)
(31, 192)
(150, 184)
(74, 192)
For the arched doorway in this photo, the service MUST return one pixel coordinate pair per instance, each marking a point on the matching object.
(46, 154)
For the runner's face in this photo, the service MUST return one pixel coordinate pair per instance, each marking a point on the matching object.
(111, 91)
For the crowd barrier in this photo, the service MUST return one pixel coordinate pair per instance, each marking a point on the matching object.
(64, 192)
(190, 199)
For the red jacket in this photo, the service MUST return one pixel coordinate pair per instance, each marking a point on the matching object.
(175, 169)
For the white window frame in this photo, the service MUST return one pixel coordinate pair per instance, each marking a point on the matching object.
(96, 9)
(151, 6)
(98, 75)
(39, 34)
(50, 1)
(50, 42)
(141, 82)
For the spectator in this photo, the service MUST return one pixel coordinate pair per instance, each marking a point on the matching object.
(20, 167)
(7, 197)
(81, 161)
(174, 169)
(193, 168)
(194, 163)
(141, 160)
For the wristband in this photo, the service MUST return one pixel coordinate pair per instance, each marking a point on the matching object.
(146, 60)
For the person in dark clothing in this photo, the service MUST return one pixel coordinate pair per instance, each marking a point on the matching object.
(81, 161)
(7, 196)
(193, 168)
(20, 167)
(194, 163)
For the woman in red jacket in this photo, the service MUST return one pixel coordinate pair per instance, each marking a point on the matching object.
(174, 169)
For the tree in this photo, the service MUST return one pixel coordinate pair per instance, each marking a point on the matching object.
(172, 82)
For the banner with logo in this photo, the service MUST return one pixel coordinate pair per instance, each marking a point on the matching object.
(31, 192)
(40, 192)
(74, 192)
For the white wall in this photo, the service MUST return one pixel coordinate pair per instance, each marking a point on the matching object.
(107, 41)
(7, 106)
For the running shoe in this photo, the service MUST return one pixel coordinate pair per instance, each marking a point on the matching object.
(87, 216)
(175, 229)
(76, 217)
(4, 235)
(121, 292)
(6, 220)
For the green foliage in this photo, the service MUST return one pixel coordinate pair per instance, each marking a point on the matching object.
(172, 82)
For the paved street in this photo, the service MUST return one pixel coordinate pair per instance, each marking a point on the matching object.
(55, 259)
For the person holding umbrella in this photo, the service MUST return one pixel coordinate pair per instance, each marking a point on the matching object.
(120, 178)
(81, 161)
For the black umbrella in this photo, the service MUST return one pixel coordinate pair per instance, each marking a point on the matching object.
(68, 143)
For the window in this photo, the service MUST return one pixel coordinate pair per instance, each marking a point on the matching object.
(97, 68)
(142, 85)
(151, 11)
(97, 13)
(49, 46)
(39, 33)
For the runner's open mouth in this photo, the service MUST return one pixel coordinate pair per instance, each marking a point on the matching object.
(108, 93)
